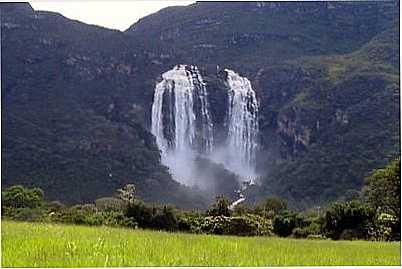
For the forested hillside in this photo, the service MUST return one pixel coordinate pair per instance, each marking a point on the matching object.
(76, 98)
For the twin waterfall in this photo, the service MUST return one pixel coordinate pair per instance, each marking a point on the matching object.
(242, 124)
(183, 126)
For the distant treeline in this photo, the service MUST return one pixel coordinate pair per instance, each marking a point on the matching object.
(375, 215)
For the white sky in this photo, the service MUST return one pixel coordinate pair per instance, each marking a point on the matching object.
(110, 14)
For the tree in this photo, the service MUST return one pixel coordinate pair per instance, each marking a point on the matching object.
(275, 205)
(285, 222)
(383, 189)
(383, 193)
(220, 207)
(21, 197)
(127, 193)
(352, 217)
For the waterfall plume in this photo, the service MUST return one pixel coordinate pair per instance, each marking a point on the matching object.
(181, 121)
(183, 126)
(239, 151)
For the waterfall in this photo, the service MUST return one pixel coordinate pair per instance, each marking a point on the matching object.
(181, 121)
(242, 125)
(183, 126)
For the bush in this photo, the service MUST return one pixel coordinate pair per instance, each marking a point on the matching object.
(154, 217)
(248, 225)
(220, 207)
(312, 229)
(351, 234)
(271, 206)
(285, 222)
(21, 197)
(141, 213)
(190, 223)
(214, 224)
(110, 204)
(354, 216)
(87, 216)
(383, 192)
(383, 228)
(26, 214)
(165, 220)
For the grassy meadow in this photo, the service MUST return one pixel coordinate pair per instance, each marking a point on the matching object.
(49, 245)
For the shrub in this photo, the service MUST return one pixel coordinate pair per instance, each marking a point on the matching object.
(351, 234)
(354, 216)
(21, 197)
(271, 206)
(383, 228)
(248, 225)
(141, 213)
(220, 207)
(285, 222)
(312, 229)
(161, 218)
(127, 193)
(214, 224)
(86, 216)
(190, 223)
(26, 214)
(110, 204)
(165, 220)
(383, 192)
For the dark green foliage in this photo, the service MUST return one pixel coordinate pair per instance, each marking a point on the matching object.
(76, 110)
(25, 213)
(220, 207)
(127, 193)
(385, 227)
(154, 217)
(253, 34)
(88, 215)
(383, 189)
(314, 229)
(274, 205)
(165, 219)
(21, 197)
(142, 213)
(286, 222)
(243, 209)
(75, 106)
(110, 204)
(383, 193)
(247, 225)
(348, 220)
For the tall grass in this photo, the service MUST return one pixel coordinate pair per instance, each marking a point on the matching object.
(50, 245)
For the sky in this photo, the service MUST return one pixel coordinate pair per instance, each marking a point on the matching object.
(110, 14)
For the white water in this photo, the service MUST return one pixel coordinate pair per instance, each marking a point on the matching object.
(235, 203)
(181, 87)
(181, 103)
(238, 155)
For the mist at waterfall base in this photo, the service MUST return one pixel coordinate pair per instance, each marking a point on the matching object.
(183, 126)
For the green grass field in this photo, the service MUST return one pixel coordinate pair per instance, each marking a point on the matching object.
(50, 245)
